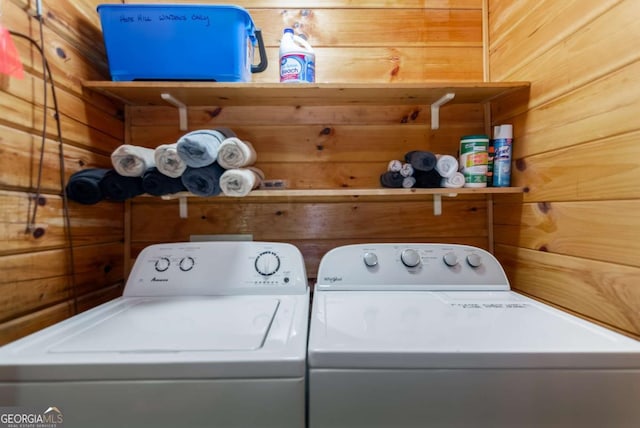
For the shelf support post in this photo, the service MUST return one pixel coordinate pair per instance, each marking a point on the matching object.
(435, 109)
(182, 109)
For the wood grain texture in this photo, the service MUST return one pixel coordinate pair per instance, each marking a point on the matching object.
(572, 241)
(601, 170)
(89, 225)
(36, 280)
(451, 116)
(537, 27)
(586, 55)
(20, 155)
(606, 292)
(582, 229)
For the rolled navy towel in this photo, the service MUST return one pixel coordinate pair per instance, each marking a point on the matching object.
(240, 181)
(132, 161)
(235, 153)
(84, 186)
(158, 184)
(168, 161)
(203, 181)
(421, 160)
(116, 187)
(427, 180)
(392, 179)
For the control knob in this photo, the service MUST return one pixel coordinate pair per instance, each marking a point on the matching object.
(370, 259)
(450, 259)
(186, 264)
(410, 257)
(267, 263)
(162, 264)
(474, 260)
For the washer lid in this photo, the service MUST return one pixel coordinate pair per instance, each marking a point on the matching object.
(177, 325)
(456, 330)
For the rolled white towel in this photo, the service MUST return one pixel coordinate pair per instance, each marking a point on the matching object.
(447, 165)
(408, 182)
(454, 182)
(394, 166)
(132, 161)
(240, 181)
(235, 153)
(168, 161)
(406, 170)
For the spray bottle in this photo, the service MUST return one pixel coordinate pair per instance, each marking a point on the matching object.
(503, 145)
(297, 59)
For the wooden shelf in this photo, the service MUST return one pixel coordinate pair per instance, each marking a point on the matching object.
(373, 193)
(341, 195)
(312, 94)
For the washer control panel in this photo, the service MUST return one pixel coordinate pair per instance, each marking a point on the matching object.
(217, 268)
(411, 267)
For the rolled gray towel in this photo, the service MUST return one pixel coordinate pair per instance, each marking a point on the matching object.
(203, 181)
(200, 148)
(421, 160)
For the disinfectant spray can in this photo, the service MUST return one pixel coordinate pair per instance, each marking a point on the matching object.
(503, 146)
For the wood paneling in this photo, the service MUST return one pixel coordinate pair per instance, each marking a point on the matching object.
(573, 240)
(583, 229)
(36, 263)
(606, 292)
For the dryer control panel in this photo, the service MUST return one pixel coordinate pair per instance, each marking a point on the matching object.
(410, 267)
(217, 268)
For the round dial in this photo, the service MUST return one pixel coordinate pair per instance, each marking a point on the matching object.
(450, 259)
(186, 264)
(410, 257)
(267, 263)
(474, 260)
(162, 264)
(370, 259)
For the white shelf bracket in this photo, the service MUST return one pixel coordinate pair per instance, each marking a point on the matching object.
(435, 109)
(182, 109)
(437, 202)
(182, 206)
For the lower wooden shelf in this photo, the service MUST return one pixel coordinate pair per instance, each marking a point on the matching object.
(346, 194)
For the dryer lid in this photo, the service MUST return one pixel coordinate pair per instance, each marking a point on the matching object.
(176, 325)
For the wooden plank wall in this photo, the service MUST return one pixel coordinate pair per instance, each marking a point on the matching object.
(574, 241)
(372, 41)
(35, 285)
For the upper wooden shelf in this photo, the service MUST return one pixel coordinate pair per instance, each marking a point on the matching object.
(311, 94)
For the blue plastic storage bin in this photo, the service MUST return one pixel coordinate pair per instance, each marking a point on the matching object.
(180, 42)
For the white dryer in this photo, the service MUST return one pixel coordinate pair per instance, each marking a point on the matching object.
(209, 334)
(430, 335)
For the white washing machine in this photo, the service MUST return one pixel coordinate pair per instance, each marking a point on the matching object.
(430, 335)
(209, 334)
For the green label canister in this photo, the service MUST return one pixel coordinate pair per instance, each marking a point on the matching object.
(474, 160)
